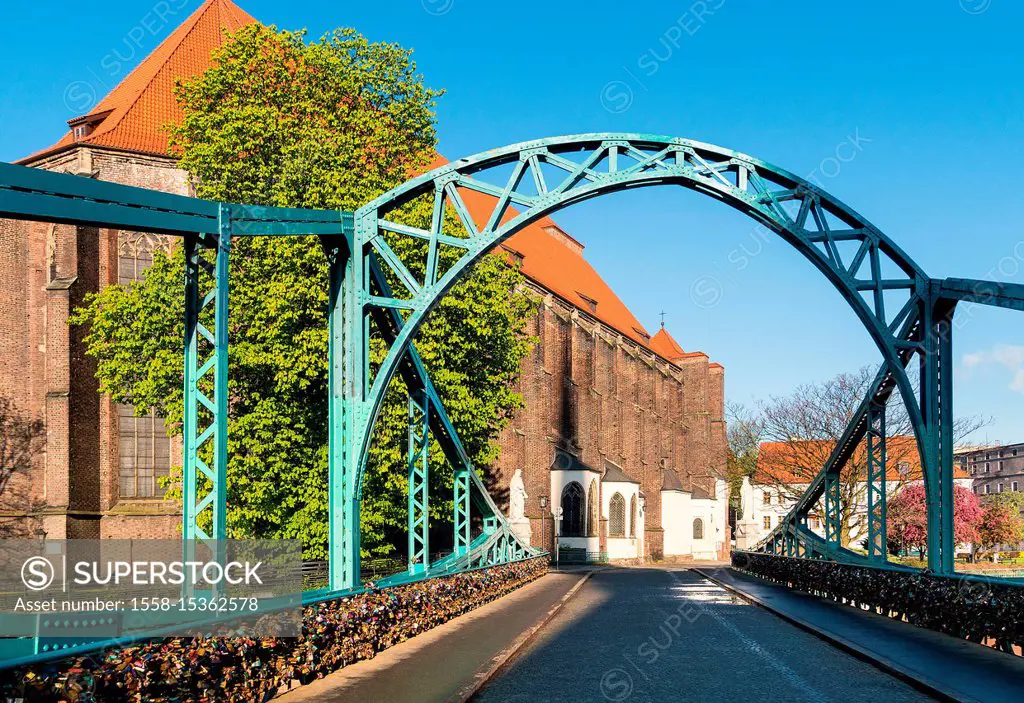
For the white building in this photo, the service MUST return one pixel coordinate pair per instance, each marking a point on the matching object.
(776, 489)
(603, 513)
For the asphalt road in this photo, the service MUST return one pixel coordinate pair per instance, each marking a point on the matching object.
(671, 635)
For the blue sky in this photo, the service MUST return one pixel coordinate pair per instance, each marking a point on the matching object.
(925, 96)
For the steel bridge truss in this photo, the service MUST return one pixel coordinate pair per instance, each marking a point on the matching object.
(907, 314)
(206, 229)
(393, 260)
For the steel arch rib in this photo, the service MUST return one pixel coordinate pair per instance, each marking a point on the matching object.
(703, 174)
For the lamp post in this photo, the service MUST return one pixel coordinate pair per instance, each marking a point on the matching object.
(558, 532)
(543, 515)
(643, 552)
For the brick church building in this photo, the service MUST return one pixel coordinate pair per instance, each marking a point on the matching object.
(622, 433)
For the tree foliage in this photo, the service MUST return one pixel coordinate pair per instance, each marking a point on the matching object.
(1015, 499)
(743, 435)
(1001, 521)
(328, 124)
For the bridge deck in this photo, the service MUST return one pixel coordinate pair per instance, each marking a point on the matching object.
(962, 670)
(669, 635)
(666, 634)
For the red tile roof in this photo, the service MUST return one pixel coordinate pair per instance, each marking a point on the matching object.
(664, 344)
(791, 462)
(133, 116)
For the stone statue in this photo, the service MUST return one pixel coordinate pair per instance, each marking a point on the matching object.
(517, 497)
(517, 519)
(746, 499)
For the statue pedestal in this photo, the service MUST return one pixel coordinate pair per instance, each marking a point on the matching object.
(746, 534)
(522, 529)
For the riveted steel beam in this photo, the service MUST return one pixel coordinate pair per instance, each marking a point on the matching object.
(996, 293)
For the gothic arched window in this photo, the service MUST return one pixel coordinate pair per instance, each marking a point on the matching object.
(698, 529)
(592, 509)
(617, 516)
(573, 506)
(632, 517)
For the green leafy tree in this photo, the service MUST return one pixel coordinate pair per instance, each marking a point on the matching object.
(1001, 521)
(328, 124)
(1014, 499)
(744, 438)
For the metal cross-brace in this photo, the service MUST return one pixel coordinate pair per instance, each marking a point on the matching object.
(876, 496)
(205, 421)
(419, 480)
(468, 489)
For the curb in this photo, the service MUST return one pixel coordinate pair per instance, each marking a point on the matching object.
(889, 666)
(505, 657)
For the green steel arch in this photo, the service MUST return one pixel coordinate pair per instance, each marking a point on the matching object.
(529, 180)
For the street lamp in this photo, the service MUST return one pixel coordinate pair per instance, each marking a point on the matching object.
(558, 532)
(543, 514)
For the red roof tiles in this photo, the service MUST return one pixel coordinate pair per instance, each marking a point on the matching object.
(792, 462)
(132, 116)
(665, 345)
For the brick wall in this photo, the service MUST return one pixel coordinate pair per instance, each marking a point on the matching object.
(46, 271)
(591, 391)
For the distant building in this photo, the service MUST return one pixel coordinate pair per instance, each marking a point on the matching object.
(993, 468)
(779, 481)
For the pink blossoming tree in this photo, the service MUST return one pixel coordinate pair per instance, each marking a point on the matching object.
(907, 518)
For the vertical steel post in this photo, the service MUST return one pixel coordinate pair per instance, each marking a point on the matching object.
(220, 388)
(419, 479)
(877, 539)
(944, 345)
(344, 401)
(929, 410)
(205, 485)
(937, 409)
(461, 511)
(833, 512)
(946, 444)
(205, 419)
(190, 419)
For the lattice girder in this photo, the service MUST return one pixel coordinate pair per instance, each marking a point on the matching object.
(804, 215)
(419, 482)
(205, 420)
